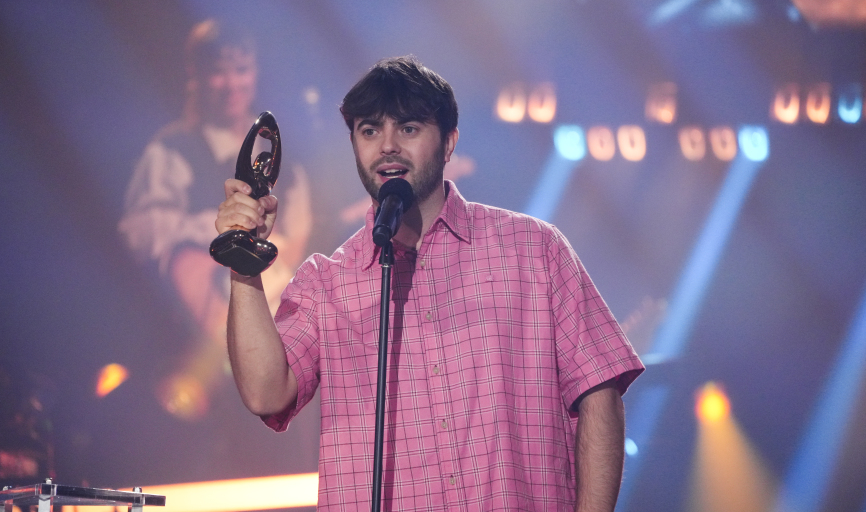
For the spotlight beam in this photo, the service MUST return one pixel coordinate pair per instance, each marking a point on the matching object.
(687, 299)
(548, 192)
(693, 284)
(569, 150)
(810, 471)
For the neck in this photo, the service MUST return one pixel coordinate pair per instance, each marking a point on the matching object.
(418, 220)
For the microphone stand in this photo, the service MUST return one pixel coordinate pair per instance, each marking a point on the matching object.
(386, 259)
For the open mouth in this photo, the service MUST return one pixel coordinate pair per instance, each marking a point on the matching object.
(392, 173)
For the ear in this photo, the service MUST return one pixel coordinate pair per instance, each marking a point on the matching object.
(451, 143)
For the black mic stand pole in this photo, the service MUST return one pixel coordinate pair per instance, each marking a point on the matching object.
(386, 259)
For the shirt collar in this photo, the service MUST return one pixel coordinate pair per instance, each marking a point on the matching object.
(454, 215)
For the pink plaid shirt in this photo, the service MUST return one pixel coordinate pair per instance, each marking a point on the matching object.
(496, 330)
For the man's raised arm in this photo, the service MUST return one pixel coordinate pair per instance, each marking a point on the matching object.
(266, 383)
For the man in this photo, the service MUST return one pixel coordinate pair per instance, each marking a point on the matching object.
(500, 341)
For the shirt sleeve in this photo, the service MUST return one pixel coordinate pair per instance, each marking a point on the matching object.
(591, 347)
(298, 325)
(156, 218)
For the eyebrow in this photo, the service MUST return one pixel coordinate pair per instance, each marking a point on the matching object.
(369, 121)
(378, 122)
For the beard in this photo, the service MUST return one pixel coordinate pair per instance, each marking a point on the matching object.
(425, 180)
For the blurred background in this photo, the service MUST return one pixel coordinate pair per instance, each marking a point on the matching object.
(704, 158)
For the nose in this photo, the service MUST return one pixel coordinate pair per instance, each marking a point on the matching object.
(390, 143)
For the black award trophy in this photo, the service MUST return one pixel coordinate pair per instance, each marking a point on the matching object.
(239, 249)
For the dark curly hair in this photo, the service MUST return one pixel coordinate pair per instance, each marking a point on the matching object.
(405, 90)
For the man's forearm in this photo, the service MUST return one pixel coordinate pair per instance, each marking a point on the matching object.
(599, 449)
(264, 379)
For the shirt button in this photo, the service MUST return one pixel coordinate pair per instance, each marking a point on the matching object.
(436, 370)
(423, 263)
(452, 480)
(444, 424)
(429, 316)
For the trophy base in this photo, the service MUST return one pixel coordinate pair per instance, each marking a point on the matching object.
(243, 253)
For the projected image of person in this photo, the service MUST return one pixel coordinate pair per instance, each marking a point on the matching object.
(506, 367)
(169, 214)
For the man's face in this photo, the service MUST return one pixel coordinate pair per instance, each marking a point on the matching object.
(230, 86)
(414, 151)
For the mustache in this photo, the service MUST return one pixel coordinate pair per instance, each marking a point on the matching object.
(392, 159)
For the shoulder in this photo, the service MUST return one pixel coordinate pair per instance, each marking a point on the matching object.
(347, 258)
(168, 141)
(531, 241)
(485, 220)
(181, 136)
(175, 129)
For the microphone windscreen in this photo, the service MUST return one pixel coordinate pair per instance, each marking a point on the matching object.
(399, 187)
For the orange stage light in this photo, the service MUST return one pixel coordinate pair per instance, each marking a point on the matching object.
(692, 143)
(110, 377)
(786, 104)
(818, 102)
(542, 103)
(632, 142)
(600, 142)
(266, 493)
(511, 104)
(728, 473)
(712, 404)
(661, 103)
(184, 396)
(723, 141)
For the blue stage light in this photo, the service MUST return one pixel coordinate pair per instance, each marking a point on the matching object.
(552, 184)
(850, 108)
(570, 142)
(669, 10)
(754, 143)
(630, 447)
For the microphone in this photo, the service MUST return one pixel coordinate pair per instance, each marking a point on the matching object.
(395, 197)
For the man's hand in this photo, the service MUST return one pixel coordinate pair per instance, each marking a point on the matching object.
(599, 448)
(240, 211)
